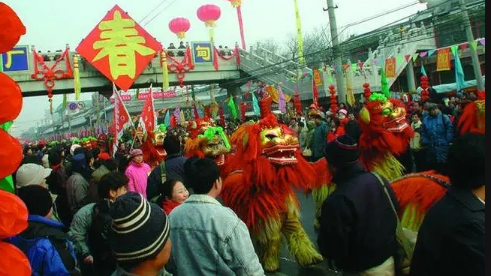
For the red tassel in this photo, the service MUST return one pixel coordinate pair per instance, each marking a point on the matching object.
(243, 111)
(215, 58)
(222, 116)
(425, 84)
(195, 110)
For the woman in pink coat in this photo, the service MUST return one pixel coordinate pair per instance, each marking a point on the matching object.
(137, 172)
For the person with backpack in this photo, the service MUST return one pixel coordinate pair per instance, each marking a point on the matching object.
(171, 168)
(44, 242)
(91, 224)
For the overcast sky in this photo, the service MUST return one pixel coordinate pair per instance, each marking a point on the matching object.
(53, 23)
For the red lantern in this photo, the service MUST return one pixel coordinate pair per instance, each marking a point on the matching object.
(180, 26)
(209, 14)
(10, 154)
(425, 84)
(10, 99)
(235, 3)
(12, 28)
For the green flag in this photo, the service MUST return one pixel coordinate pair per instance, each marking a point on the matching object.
(233, 108)
(385, 84)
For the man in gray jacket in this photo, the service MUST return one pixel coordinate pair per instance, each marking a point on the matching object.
(207, 238)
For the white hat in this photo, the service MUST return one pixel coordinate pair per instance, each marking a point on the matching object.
(343, 111)
(31, 174)
(73, 148)
(45, 161)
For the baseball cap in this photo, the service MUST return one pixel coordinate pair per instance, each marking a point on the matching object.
(31, 174)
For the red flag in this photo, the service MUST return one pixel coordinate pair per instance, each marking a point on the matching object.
(121, 117)
(148, 120)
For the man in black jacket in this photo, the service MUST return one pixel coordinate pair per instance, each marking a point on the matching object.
(451, 241)
(173, 166)
(358, 223)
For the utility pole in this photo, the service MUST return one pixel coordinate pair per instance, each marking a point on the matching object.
(341, 85)
(470, 38)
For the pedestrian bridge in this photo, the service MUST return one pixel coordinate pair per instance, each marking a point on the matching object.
(229, 68)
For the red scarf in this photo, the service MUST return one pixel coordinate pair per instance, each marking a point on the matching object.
(169, 205)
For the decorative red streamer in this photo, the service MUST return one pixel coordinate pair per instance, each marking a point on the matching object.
(315, 91)
(334, 99)
(367, 93)
(298, 104)
(243, 111)
(241, 26)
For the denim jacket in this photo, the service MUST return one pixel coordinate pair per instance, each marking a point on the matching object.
(209, 239)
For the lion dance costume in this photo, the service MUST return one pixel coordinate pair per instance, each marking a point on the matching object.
(207, 140)
(267, 164)
(153, 146)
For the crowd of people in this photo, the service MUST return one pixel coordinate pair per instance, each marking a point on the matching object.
(92, 214)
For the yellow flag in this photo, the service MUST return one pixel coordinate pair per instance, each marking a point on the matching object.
(301, 58)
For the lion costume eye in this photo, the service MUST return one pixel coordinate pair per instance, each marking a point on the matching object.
(386, 111)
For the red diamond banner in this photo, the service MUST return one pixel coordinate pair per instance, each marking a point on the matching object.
(119, 48)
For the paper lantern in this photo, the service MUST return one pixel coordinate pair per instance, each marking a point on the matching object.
(209, 14)
(10, 99)
(180, 26)
(13, 261)
(13, 215)
(235, 3)
(11, 28)
(10, 154)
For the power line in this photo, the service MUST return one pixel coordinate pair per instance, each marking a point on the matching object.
(165, 8)
(448, 28)
(154, 9)
(295, 59)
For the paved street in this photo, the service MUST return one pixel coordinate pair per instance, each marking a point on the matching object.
(288, 265)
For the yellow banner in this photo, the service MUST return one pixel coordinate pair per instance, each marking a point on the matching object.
(443, 61)
(301, 58)
(317, 78)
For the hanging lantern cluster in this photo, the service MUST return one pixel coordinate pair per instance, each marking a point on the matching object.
(297, 103)
(11, 29)
(180, 26)
(425, 84)
(334, 99)
(368, 92)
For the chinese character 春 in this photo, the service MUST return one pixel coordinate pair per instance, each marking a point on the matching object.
(204, 53)
(120, 41)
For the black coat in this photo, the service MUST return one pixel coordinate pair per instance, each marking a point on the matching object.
(451, 241)
(358, 224)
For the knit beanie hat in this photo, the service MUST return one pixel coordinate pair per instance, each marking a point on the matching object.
(139, 229)
(37, 199)
(342, 152)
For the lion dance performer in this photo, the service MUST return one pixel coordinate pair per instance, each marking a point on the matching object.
(207, 140)
(259, 187)
(153, 146)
